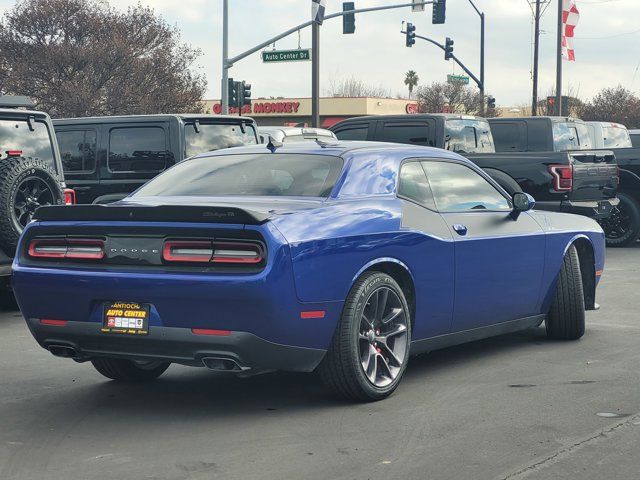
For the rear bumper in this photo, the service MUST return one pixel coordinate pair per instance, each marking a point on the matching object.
(593, 209)
(177, 345)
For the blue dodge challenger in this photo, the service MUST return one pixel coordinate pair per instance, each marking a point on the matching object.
(344, 257)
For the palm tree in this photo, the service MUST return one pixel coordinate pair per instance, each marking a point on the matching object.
(411, 80)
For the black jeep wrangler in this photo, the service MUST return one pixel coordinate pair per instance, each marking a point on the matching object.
(30, 176)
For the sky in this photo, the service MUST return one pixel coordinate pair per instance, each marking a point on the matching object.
(606, 44)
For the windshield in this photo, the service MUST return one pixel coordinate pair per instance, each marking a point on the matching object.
(615, 137)
(260, 174)
(468, 136)
(36, 144)
(212, 136)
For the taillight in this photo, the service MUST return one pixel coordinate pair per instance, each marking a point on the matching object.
(14, 153)
(73, 248)
(213, 251)
(562, 177)
(69, 196)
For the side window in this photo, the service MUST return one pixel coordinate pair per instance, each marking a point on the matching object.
(415, 133)
(414, 185)
(354, 132)
(137, 149)
(458, 188)
(78, 150)
(506, 136)
(635, 140)
(537, 136)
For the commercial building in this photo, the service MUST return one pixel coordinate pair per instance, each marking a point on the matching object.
(295, 111)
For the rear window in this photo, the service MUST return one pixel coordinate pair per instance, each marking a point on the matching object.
(616, 137)
(571, 136)
(260, 174)
(36, 144)
(468, 136)
(210, 136)
(355, 132)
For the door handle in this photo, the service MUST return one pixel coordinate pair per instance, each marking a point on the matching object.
(460, 229)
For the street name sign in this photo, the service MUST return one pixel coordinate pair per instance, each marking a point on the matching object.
(272, 56)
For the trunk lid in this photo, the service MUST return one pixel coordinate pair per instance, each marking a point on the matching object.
(595, 175)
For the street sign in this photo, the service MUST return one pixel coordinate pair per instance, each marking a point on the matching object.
(417, 8)
(463, 79)
(272, 56)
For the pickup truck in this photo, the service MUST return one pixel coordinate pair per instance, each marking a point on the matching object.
(106, 158)
(582, 182)
(623, 227)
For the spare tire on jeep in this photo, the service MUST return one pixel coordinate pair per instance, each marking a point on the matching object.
(25, 185)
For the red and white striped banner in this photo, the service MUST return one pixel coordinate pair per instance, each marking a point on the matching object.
(570, 17)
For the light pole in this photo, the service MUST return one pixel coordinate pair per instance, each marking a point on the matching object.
(481, 15)
(224, 101)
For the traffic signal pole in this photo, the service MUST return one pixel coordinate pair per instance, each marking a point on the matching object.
(536, 55)
(315, 75)
(227, 62)
(481, 86)
(455, 59)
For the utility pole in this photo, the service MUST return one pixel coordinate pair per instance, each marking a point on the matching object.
(536, 54)
(559, 63)
(481, 85)
(224, 101)
(315, 75)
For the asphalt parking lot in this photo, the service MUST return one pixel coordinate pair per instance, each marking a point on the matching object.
(517, 406)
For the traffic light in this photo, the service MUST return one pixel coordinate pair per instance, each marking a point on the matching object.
(348, 20)
(233, 93)
(245, 94)
(439, 12)
(448, 49)
(411, 34)
(491, 103)
(551, 106)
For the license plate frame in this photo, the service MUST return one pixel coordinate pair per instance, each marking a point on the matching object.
(125, 318)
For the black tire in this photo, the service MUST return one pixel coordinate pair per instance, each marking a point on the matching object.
(505, 181)
(622, 227)
(17, 173)
(565, 320)
(123, 370)
(342, 369)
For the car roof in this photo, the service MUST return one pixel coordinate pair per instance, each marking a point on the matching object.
(412, 116)
(341, 148)
(290, 131)
(539, 118)
(142, 118)
(17, 112)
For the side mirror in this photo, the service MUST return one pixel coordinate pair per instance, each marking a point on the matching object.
(522, 202)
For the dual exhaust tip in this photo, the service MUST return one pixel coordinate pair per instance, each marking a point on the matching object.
(224, 364)
(63, 351)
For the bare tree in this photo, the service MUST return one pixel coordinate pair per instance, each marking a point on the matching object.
(617, 105)
(454, 97)
(82, 57)
(353, 87)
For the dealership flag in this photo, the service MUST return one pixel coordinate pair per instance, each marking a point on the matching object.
(570, 17)
(317, 11)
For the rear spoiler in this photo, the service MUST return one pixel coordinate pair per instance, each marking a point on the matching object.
(159, 213)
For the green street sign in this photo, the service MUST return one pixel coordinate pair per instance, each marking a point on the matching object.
(463, 79)
(273, 56)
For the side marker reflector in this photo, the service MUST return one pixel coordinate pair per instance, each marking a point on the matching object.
(208, 331)
(54, 323)
(312, 314)
(598, 273)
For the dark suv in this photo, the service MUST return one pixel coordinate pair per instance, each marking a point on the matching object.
(30, 175)
(106, 158)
